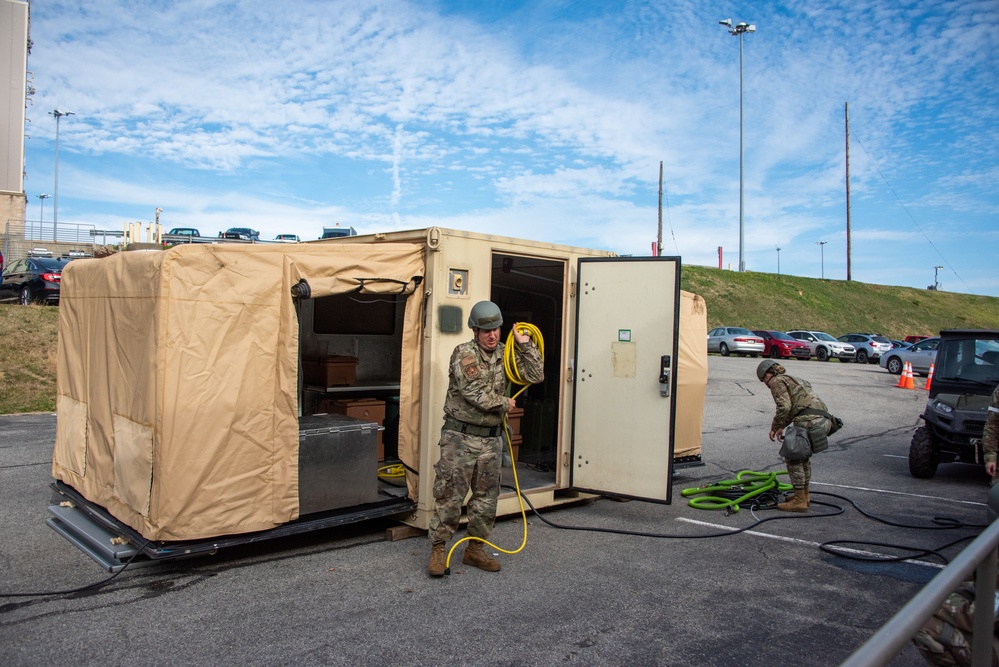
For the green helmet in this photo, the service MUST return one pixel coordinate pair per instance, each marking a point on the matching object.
(768, 366)
(485, 315)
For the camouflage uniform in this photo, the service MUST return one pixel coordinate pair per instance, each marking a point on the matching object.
(945, 639)
(476, 400)
(990, 437)
(792, 396)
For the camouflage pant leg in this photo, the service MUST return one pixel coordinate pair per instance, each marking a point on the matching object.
(799, 472)
(467, 462)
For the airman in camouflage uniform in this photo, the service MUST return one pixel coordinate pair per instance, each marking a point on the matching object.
(990, 437)
(945, 639)
(471, 440)
(792, 396)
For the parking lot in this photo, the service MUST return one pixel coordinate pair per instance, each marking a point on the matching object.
(349, 597)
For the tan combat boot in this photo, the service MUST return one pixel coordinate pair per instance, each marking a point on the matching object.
(476, 556)
(438, 560)
(796, 503)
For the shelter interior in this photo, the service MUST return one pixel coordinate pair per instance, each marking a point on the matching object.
(350, 362)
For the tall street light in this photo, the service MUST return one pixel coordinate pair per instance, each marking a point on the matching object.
(55, 200)
(41, 206)
(822, 251)
(778, 260)
(740, 29)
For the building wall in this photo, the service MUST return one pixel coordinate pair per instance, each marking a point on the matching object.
(13, 82)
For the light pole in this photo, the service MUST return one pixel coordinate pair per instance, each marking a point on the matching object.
(778, 260)
(41, 206)
(55, 200)
(740, 29)
(936, 284)
(822, 252)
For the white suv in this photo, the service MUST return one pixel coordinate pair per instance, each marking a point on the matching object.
(824, 347)
(870, 347)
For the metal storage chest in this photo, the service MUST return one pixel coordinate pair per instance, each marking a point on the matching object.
(337, 462)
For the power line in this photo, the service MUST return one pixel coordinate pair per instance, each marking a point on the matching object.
(899, 200)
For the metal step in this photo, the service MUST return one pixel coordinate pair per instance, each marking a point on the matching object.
(92, 539)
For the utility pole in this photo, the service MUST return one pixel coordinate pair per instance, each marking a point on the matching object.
(659, 238)
(846, 117)
(822, 250)
(778, 260)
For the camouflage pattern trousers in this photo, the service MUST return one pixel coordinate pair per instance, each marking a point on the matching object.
(467, 462)
(800, 472)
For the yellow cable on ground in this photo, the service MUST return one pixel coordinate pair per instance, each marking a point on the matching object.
(515, 378)
(394, 470)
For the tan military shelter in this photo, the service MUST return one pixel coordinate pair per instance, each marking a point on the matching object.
(179, 384)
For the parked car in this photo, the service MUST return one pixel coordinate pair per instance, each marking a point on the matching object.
(824, 347)
(241, 233)
(914, 339)
(922, 355)
(899, 344)
(780, 345)
(287, 238)
(184, 231)
(870, 347)
(32, 280)
(726, 340)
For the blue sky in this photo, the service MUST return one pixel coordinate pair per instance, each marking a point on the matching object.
(540, 119)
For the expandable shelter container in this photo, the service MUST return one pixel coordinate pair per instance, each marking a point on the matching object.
(191, 380)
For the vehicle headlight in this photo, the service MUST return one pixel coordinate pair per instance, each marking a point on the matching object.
(942, 407)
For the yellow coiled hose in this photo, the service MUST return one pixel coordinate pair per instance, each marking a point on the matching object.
(516, 379)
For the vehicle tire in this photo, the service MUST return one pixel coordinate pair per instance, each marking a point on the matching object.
(25, 297)
(723, 350)
(922, 454)
(894, 365)
(753, 355)
(774, 353)
(822, 354)
(862, 356)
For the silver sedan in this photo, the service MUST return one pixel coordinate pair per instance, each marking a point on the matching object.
(922, 355)
(726, 340)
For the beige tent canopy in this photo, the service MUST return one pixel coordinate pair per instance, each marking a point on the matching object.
(178, 378)
(178, 371)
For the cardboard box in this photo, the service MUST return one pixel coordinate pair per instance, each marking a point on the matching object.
(335, 371)
(368, 409)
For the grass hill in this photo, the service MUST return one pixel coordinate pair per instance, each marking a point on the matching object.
(770, 301)
(753, 300)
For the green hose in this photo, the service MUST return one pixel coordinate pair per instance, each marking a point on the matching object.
(747, 482)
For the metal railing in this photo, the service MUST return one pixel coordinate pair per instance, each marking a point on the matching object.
(979, 557)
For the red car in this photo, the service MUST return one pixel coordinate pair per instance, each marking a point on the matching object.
(779, 345)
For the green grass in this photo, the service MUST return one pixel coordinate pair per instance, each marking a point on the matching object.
(754, 300)
(769, 301)
(28, 358)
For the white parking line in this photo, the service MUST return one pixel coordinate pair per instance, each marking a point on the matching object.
(898, 493)
(795, 540)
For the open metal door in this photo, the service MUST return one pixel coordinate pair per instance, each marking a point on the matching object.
(627, 323)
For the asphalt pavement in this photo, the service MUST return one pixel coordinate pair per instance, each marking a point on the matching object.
(693, 596)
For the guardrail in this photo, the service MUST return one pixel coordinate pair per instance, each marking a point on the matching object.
(980, 557)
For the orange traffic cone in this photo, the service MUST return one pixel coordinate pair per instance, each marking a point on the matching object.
(909, 382)
(901, 376)
(929, 379)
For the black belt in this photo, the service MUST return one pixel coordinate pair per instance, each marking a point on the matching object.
(453, 424)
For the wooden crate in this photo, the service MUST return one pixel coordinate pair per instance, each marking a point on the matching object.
(335, 371)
